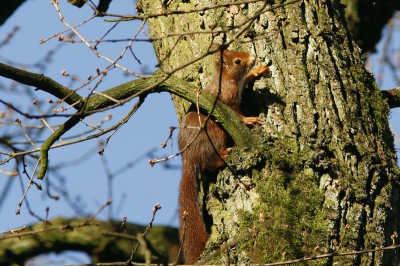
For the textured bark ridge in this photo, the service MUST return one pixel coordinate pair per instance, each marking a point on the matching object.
(327, 180)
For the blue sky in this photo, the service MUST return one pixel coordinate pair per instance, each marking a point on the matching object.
(137, 189)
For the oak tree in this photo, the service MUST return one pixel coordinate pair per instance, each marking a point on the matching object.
(318, 180)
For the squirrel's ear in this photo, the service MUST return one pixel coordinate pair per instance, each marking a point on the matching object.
(225, 56)
(217, 56)
(214, 46)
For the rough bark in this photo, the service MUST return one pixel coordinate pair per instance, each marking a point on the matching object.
(328, 180)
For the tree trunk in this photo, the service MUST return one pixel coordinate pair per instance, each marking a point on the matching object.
(327, 179)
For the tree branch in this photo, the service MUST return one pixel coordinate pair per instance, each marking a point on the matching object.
(8, 8)
(222, 114)
(159, 82)
(74, 234)
(41, 82)
(44, 150)
(392, 96)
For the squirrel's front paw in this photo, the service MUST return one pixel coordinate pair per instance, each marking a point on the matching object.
(263, 71)
(252, 121)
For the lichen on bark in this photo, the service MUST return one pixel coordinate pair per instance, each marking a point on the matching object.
(326, 179)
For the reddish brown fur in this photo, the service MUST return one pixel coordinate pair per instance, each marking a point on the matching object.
(200, 153)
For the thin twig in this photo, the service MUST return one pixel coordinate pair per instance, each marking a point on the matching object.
(25, 133)
(98, 211)
(18, 211)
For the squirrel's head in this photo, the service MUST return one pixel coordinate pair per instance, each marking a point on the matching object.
(235, 65)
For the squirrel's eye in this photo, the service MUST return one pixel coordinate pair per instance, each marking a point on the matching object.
(238, 61)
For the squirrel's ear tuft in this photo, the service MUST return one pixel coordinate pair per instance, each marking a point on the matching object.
(217, 57)
(214, 46)
(217, 54)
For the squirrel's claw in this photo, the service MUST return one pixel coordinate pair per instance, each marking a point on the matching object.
(261, 71)
(252, 121)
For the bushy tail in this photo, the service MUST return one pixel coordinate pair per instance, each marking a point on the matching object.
(192, 230)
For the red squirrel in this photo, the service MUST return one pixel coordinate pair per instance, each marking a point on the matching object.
(200, 154)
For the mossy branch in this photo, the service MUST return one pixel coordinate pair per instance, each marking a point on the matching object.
(392, 96)
(118, 95)
(221, 114)
(44, 150)
(76, 234)
(41, 82)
